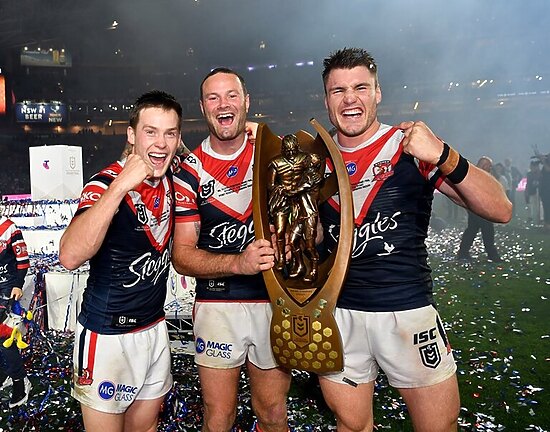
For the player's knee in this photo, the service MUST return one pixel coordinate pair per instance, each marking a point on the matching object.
(271, 415)
(352, 423)
(218, 419)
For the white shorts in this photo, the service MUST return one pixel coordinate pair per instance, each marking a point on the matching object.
(411, 347)
(227, 333)
(112, 371)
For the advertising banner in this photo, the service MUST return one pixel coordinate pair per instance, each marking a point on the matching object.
(52, 58)
(31, 112)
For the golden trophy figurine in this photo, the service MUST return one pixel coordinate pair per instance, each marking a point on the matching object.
(288, 184)
(293, 182)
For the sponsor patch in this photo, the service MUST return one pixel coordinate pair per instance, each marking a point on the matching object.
(351, 168)
(232, 171)
(106, 390)
(429, 355)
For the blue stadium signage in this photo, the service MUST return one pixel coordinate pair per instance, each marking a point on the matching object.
(52, 113)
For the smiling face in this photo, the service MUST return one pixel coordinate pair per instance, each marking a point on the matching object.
(224, 105)
(156, 138)
(352, 97)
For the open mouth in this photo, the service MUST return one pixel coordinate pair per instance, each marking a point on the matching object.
(225, 119)
(352, 113)
(158, 159)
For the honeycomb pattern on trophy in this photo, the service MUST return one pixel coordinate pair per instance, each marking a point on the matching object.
(313, 355)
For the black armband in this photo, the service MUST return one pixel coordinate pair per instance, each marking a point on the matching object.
(453, 165)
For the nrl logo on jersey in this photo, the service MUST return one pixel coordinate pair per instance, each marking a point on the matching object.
(141, 213)
(207, 190)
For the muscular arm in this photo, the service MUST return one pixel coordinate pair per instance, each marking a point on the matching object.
(192, 261)
(86, 232)
(479, 192)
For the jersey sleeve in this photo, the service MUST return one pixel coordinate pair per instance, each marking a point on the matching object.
(431, 173)
(93, 190)
(186, 184)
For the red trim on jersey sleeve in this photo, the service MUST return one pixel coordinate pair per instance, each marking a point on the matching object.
(188, 218)
(96, 187)
(90, 194)
(428, 171)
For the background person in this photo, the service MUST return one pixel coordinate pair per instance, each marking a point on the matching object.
(477, 223)
(14, 263)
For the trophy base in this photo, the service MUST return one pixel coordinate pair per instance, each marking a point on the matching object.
(306, 338)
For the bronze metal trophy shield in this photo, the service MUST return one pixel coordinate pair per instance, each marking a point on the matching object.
(302, 290)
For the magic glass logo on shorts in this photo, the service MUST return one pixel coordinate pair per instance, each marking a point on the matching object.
(214, 349)
(121, 392)
(106, 390)
(200, 345)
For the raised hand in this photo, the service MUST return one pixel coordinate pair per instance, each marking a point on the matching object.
(421, 142)
(135, 170)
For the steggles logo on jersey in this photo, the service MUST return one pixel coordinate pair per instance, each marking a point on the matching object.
(141, 214)
(232, 171)
(146, 267)
(183, 199)
(232, 235)
(371, 231)
(382, 170)
(207, 190)
(156, 202)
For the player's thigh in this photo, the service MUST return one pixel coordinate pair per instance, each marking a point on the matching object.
(142, 415)
(433, 408)
(98, 421)
(219, 388)
(351, 404)
(268, 386)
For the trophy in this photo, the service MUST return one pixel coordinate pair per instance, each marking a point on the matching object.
(289, 182)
